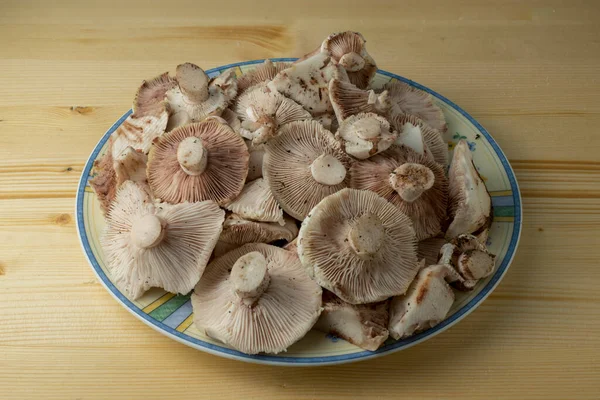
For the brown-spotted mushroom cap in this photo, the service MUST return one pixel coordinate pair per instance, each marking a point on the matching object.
(426, 303)
(257, 299)
(415, 184)
(348, 49)
(150, 97)
(359, 246)
(470, 204)
(263, 111)
(195, 94)
(366, 134)
(152, 246)
(238, 231)
(363, 325)
(304, 164)
(199, 161)
(413, 132)
(407, 99)
(348, 100)
(256, 202)
(262, 73)
(307, 83)
(139, 132)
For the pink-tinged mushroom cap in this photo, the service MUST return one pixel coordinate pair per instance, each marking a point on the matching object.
(150, 97)
(348, 99)
(199, 161)
(415, 184)
(359, 246)
(148, 245)
(304, 164)
(256, 299)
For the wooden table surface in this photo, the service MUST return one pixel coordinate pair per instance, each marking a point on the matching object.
(529, 71)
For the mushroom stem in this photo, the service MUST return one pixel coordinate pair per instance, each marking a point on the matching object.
(366, 235)
(352, 62)
(192, 155)
(410, 180)
(367, 128)
(249, 276)
(147, 231)
(328, 170)
(193, 81)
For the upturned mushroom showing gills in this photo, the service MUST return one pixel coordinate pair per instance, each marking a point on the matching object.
(470, 204)
(150, 97)
(199, 161)
(307, 82)
(263, 73)
(426, 303)
(196, 95)
(407, 99)
(364, 325)
(348, 49)
(257, 299)
(304, 164)
(366, 134)
(158, 246)
(262, 111)
(414, 183)
(256, 202)
(347, 100)
(413, 132)
(359, 246)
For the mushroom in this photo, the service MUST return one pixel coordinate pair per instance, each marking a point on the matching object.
(255, 163)
(130, 165)
(262, 73)
(263, 111)
(158, 246)
(407, 99)
(256, 299)
(366, 134)
(150, 97)
(238, 231)
(348, 50)
(363, 325)
(306, 82)
(426, 303)
(470, 258)
(177, 119)
(329, 121)
(256, 202)
(304, 164)
(413, 132)
(415, 184)
(429, 249)
(232, 120)
(198, 161)
(227, 82)
(196, 95)
(292, 246)
(348, 100)
(357, 245)
(470, 204)
(139, 132)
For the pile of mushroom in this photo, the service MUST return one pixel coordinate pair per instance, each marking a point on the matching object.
(294, 196)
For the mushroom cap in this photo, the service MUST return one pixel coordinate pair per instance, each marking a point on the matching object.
(436, 146)
(158, 246)
(232, 120)
(358, 246)
(363, 325)
(429, 249)
(253, 318)
(302, 153)
(177, 119)
(262, 111)
(428, 211)
(407, 99)
(238, 231)
(328, 121)
(130, 165)
(104, 180)
(426, 303)
(292, 246)
(366, 134)
(348, 99)
(255, 163)
(195, 94)
(150, 97)
(225, 158)
(348, 49)
(256, 202)
(306, 82)
(471, 258)
(227, 82)
(262, 73)
(470, 204)
(139, 132)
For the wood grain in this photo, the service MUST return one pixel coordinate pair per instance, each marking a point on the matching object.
(527, 70)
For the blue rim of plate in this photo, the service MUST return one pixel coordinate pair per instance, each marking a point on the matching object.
(307, 361)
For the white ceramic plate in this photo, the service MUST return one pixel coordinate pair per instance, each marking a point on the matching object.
(172, 314)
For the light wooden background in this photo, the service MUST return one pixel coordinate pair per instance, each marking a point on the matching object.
(528, 70)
